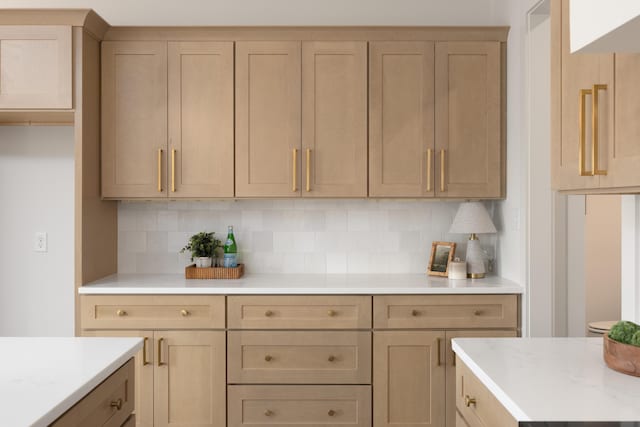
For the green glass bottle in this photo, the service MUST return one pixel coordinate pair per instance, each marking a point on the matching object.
(230, 250)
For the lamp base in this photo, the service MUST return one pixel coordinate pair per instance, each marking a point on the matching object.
(475, 259)
(475, 275)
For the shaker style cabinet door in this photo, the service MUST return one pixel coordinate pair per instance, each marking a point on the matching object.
(334, 119)
(134, 119)
(35, 67)
(401, 119)
(268, 119)
(408, 379)
(469, 157)
(200, 119)
(190, 381)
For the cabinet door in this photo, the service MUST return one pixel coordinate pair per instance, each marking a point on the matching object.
(35, 67)
(268, 119)
(401, 115)
(134, 119)
(144, 373)
(570, 75)
(451, 366)
(334, 119)
(201, 119)
(408, 379)
(190, 381)
(469, 137)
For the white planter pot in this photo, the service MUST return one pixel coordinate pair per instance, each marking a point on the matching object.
(203, 262)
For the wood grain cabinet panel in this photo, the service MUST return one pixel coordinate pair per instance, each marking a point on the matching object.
(401, 119)
(201, 117)
(408, 379)
(299, 357)
(299, 406)
(334, 119)
(35, 67)
(134, 119)
(268, 133)
(468, 116)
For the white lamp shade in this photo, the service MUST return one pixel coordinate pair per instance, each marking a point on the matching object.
(472, 217)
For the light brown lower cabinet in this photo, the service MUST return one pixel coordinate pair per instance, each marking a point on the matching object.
(299, 406)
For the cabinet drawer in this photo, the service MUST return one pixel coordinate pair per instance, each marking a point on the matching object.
(297, 357)
(299, 406)
(152, 312)
(445, 311)
(486, 411)
(299, 312)
(109, 404)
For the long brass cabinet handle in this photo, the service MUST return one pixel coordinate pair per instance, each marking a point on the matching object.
(582, 149)
(145, 362)
(595, 127)
(173, 171)
(160, 342)
(160, 170)
(442, 170)
(439, 362)
(308, 188)
(295, 169)
(429, 159)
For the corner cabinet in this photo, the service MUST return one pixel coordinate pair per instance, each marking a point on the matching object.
(167, 119)
(595, 99)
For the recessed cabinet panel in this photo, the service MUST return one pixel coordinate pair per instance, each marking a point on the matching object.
(134, 119)
(468, 120)
(401, 119)
(200, 119)
(334, 119)
(268, 119)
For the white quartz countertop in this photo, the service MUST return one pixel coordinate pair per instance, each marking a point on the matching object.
(305, 284)
(41, 378)
(552, 379)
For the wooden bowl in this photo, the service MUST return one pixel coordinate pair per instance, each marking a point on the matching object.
(621, 357)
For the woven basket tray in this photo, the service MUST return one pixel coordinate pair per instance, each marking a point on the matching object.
(193, 272)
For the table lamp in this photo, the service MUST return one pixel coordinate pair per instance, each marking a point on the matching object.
(472, 218)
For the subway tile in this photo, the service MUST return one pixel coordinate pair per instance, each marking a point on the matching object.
(336, 263)
(167, 220)
(157, 242)
(262, 241)
(336, 220)
(358, 220)
(315, 263)
(132, 242)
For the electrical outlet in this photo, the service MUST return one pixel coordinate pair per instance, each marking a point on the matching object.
(40, 243)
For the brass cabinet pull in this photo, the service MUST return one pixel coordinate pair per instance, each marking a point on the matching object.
(116, 404)
(477, 312)
(439, 362)
(595, 122)
(429, 155)
(268, 413)
(121, 313)
(442, 166)
(160, 362)
(173, 171)
(160, 170)
(184, 313)
(331, 313)
(415, 313)
(308, 188)
(468, 401)
(331, 413)
(453, 358)
(268, 358)
(582, 149)
(145, 362)
(331, 358)
(268, 313)
(295, 169)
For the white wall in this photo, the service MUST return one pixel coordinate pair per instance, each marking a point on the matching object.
(36, 194)
(630, 286)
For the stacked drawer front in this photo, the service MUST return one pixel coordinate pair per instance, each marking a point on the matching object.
(299, 360)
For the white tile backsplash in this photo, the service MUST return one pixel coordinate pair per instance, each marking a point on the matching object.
(292, 236)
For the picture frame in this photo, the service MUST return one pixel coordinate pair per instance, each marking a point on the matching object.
(442, 254)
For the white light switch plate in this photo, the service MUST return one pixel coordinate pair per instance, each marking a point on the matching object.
(40, 242)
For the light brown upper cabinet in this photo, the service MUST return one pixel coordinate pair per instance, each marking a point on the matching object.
(167, 119)
(301, 119)
(35, 67)
(469, 146)
(436, 120)
(401, 115)
(595, 100)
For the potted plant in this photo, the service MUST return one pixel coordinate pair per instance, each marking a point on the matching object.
(202, 247)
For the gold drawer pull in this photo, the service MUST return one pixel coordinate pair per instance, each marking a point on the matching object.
(294, 178)
(160, 170)
(331, 313)
(121, 313)
(308, 186)
(184, 313)
(468, 401)
(477, 312)
(331, 358)
(268, 313)
(268, 358)
(160, 362)
(268, 413)
(144, 352)
(116, 404)
(331, 413)
(415, 313)
(438, 349)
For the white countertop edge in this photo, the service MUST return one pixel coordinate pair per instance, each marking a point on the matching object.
(86, 388)
(515, 411)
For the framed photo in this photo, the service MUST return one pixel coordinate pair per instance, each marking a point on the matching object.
(442, 254)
